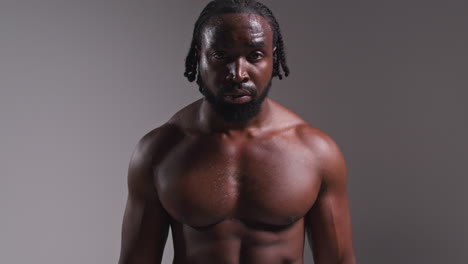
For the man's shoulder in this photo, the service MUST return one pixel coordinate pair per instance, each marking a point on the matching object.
(315, 140)
(325, 150)
(155, 144)
(309, 135)
(176, 127)
(314, 137)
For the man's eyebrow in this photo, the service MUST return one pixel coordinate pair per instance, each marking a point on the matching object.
(221, 45)
(252, 44)
(257, 44)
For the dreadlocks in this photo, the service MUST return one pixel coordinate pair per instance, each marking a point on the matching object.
(236, 6)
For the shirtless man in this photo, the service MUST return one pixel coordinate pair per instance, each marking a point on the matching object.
(236, 176)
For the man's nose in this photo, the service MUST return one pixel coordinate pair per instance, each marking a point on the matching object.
(237, 71)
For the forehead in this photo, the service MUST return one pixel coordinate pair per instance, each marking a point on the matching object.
(228, 29)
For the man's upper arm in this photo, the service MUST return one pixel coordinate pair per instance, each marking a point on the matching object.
(328, 222)
(145, 224)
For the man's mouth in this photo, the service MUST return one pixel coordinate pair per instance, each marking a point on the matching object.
(237, 98)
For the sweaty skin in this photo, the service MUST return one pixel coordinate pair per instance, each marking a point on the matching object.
(237, 192)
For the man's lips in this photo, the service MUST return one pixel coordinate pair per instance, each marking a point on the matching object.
(238, 93)
(237, 98)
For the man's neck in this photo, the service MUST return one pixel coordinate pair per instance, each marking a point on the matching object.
(211, 121)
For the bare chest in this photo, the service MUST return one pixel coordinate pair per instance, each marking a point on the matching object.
(201, 183)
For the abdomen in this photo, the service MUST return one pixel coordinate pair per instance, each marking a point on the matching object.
(232, 241)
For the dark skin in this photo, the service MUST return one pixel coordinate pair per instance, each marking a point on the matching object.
(237, 192)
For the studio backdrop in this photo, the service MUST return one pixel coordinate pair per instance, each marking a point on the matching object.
(82, 81)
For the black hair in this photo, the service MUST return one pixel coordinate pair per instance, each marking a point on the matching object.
(217, 7)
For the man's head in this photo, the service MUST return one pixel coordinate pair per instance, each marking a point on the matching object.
(236, 50)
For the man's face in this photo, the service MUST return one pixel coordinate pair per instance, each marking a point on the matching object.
(236, 64)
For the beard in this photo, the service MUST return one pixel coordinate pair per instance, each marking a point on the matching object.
(234, 112)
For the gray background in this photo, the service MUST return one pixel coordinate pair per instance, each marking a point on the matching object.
(82, 81)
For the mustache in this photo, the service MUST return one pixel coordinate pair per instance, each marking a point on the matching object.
(240, 86)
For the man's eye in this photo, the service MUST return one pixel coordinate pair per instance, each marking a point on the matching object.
(219, 55)
(256, 56)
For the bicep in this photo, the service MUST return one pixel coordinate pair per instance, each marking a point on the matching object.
(144, 231)
(145, 224)
(328, 222)
(329, 228)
